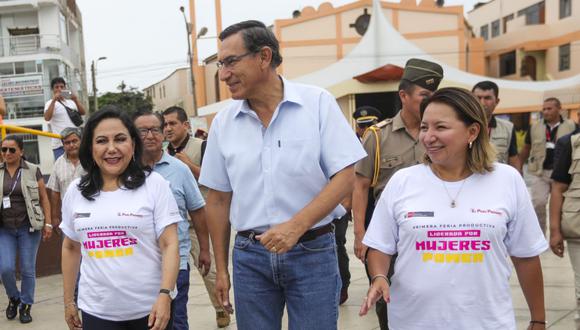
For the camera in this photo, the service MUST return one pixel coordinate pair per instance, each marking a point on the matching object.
(66, 94)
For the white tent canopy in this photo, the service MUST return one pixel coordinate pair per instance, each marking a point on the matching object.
(382, 44)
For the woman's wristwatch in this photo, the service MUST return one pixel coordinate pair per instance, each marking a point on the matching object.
(171, 293)
(48, 225)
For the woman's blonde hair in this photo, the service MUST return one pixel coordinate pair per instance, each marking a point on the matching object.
(481, 155)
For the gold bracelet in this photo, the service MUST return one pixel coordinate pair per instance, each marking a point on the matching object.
(380, 276)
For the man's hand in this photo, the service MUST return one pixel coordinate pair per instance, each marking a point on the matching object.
(183, 157)
(74, 98)
(160, 313)
(557, 243)
(56, 96)
(360, 250)
(46, 233)
(222, 291)
(281, 238)
(204, 262)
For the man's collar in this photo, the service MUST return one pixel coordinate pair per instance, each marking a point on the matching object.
(182, 146)
(492, 122)
(290, 95)
(398, 122)
(558, 123)
(164, 158)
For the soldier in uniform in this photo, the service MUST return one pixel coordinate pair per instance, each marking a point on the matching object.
(539, 147)
(391, 145)
(564, 206)
(501, 132)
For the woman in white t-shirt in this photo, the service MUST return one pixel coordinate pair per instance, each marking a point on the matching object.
(122, 220)
(454, 222)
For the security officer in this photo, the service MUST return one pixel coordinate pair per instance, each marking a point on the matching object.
(501, 132)
(564, 206)
(392, 144)
(365, 117)
(539, 146)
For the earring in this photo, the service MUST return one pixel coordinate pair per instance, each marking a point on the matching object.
(470, 144)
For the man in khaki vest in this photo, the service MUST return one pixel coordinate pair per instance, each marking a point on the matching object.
(501, 132)
(564, 206)
(539, 146)
(392, 144)
(188, 149)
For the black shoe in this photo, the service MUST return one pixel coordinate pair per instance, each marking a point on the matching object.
(25, 313)
(12, 308)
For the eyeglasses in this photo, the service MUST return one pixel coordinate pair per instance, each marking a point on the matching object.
(153, 130)
(11, 149)
(230, 61)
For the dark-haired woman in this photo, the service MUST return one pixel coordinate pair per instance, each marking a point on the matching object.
(122, 220)
(25, 214)
(455, 221)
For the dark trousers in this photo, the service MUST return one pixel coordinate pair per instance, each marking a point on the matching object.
(340, 227)
(381, 305)
(180, 302)
(91, 322)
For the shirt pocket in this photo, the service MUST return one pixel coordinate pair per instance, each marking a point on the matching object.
(388, 166)
(299, 156)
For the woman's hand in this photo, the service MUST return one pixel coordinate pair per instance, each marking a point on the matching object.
(71, 316)
(379, 288)
(160, 313)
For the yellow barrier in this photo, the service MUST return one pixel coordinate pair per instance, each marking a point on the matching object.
(18, 129)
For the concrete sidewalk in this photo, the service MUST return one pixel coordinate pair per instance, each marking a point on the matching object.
(558, 280)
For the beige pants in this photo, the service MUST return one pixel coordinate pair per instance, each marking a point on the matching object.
(208, 280)
(574, 251)
(540, 191)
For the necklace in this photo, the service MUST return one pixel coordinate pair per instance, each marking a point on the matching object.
(453, 203)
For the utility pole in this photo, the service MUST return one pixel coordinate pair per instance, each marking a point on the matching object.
(95, 101)
(189, 35)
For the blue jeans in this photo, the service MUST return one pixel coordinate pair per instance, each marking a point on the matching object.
(57, 152)
(306, 278)
(25, 243)
(180, 302)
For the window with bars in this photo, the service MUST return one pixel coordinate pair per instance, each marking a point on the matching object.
(564, 57)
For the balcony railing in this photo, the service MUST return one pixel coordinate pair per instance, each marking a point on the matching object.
(30, 44)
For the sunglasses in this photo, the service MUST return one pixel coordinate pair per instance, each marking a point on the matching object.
(11, 149)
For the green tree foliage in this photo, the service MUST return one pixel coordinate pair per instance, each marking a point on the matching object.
(128, 99)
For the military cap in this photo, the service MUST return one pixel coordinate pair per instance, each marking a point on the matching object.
(423, 73)
(366, 115)
(70, 130)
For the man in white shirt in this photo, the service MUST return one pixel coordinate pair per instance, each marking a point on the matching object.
(65, 170)
(278, 162)
(56, 115)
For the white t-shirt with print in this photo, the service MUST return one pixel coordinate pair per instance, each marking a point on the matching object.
(60, 119)
(118, 233)
(452, 271)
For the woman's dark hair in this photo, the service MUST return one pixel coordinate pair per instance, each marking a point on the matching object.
(15, 138)
(134, 175)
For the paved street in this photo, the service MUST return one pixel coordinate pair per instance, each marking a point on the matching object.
(48, 310)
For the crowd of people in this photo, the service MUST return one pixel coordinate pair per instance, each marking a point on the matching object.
(436, 195)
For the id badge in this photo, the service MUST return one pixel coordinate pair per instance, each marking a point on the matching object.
(550, 145)
(6, 202)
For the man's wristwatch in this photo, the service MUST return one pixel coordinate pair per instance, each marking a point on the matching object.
(171, 293)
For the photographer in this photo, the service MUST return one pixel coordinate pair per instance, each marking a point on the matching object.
(55, 112)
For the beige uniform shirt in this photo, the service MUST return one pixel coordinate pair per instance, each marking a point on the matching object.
(398, 149)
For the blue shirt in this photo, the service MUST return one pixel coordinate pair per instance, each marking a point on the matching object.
(187, 196)
(275, 172)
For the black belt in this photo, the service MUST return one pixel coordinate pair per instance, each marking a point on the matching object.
(308, 236)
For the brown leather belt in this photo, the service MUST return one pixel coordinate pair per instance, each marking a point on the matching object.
(308, 236)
